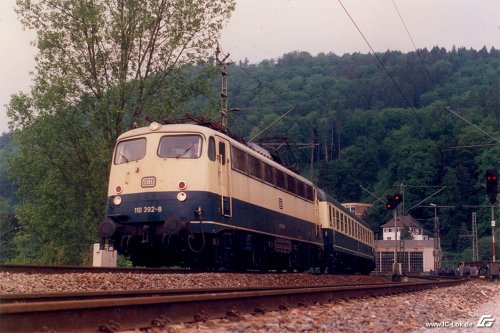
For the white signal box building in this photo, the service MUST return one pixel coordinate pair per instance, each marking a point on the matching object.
(415, 253)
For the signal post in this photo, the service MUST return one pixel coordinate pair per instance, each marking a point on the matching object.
(391, 204)
(491, 191)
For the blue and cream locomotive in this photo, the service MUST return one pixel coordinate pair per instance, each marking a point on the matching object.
(189, 195)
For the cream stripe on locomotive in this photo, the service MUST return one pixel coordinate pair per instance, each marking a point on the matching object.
(198, 173)
(251, 185)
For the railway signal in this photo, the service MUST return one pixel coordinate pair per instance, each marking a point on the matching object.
(393, 201)
(492, 185)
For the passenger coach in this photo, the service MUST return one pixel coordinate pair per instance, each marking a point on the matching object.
(348, 240)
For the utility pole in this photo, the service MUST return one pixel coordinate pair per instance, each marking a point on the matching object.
(492, 191)
(493, 246)
(475, 250)
(223, 92)
(437, 241)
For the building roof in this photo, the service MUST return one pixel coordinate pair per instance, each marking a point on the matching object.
(403, 221)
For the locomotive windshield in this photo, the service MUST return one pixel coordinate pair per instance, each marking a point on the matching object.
(130, 150)
(180, 146)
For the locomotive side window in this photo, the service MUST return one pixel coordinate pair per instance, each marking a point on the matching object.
(130, 150)
(180, 146)
(330, 215)
(309, 192)
(268, 174)
(211, 148)
(301, 189)
(291, 185)
(280, 179)
(239, 159)
(337, 218)
(254, 167)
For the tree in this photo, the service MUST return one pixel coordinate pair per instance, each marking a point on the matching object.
(406, 233)
(101, 66)
(121, 53)
(8, 222)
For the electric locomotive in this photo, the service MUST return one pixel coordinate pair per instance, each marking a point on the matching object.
(189, 195)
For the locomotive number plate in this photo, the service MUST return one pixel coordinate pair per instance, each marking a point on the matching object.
(147, 209)
(148, 182)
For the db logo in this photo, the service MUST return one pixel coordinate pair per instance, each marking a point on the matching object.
(485, 321)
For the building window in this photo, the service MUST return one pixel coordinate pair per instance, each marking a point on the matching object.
(384, 261)
(416, 262)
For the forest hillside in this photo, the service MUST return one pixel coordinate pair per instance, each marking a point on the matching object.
(425, 123)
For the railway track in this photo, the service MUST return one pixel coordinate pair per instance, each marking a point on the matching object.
(46, 269)
(113, 311)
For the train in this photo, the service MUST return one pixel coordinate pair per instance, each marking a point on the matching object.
(192, 195)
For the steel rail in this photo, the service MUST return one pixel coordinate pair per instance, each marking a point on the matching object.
(146, 310)
(7, 298)
(47, 269)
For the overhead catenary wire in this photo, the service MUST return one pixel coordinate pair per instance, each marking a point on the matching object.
(447, 108)
(400, 90)
(270, 88)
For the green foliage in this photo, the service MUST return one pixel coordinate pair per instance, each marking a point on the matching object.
(122, 55)
(61, 175)
(367, 135)
(363, 131)
(406, 233)
(8, 222)
(101, 66)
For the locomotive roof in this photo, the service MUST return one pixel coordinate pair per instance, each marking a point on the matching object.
(183, 128)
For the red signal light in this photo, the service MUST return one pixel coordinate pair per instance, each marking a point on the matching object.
(393, 201)
(492, 185)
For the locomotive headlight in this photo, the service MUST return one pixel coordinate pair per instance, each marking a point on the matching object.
(117, 200)
(154, 126)
(181, 196)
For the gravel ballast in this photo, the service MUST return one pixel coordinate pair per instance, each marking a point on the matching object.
(73, 282)
(456, 309)
(449, 307)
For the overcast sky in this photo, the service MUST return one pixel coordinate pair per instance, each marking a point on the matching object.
(265, 29)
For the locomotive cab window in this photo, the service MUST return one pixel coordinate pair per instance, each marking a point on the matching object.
(180, 146)
(130, 150)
